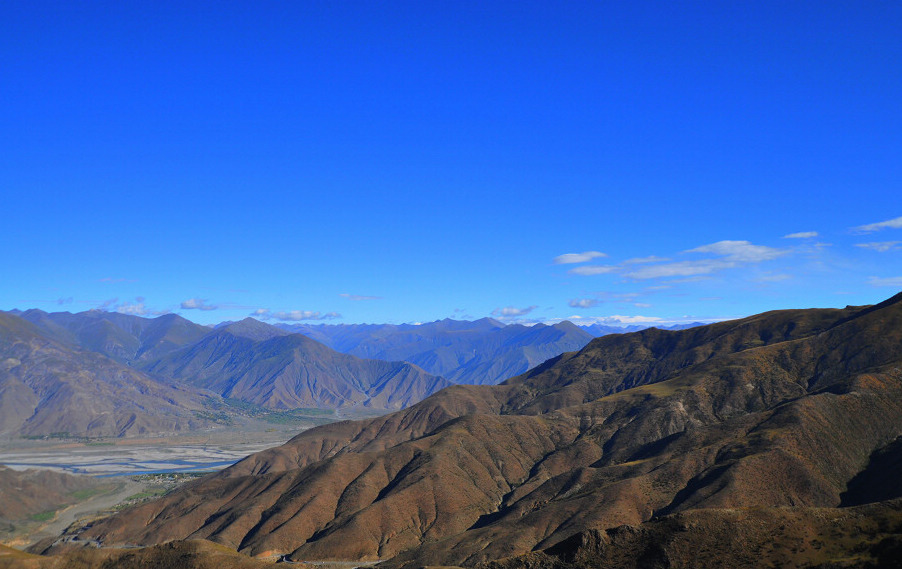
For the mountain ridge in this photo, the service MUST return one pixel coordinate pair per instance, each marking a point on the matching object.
(779, 409)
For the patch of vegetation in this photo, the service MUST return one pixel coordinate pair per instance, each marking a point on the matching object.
(293, 417)
(220, 418)
(302, 416)
(149, 493)
(43, 516)
(67, 436)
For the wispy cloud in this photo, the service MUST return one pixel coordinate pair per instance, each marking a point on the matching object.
(62, 301)
(872, 227)
(801, 235)
(617, 320)
(583, 302)
(359, 296)
(461, 314)
(880, 246)
(570, 258)
(294, 315)
(512, 312)
(885, 281)
(586, 270)
(117, 280)
(645, 260)
(729, 254)
(197, 304)
(740, 251)
(135, 308)
(680, 269)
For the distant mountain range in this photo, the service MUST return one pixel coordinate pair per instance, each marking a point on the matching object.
(773, 440)
(265, 365)
(481, 352)
(99, 373)
(125, 338)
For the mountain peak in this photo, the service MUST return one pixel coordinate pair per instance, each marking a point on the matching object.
(253, 329)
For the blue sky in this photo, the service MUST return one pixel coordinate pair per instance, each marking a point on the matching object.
(411, 161)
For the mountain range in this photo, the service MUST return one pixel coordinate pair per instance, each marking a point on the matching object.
(180, 370)
(480, 352)
(796, 414)
(51, 387)
(273, 368)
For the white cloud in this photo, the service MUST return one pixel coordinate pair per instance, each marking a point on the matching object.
(881, 246)
(197, 304)
(583, 303)
(739, 251)
(294, 315)
(887, 281)
(731, 254)
(137, 308)
(681, 269)
(359, 296)
(888, 224)
(569, 258)
(617, 319)
(642, 305)
(644, 260)
(801, 235)
(512, 312)
(593, 270)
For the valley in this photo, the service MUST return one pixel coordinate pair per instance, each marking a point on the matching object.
(794, 414)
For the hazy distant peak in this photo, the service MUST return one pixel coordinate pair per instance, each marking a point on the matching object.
(566, 325)
(253, 329)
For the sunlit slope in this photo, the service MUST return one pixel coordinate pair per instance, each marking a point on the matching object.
(47, 387)
(780, 409)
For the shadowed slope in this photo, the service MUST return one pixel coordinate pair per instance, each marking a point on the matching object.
(781, 409)
(867, 536)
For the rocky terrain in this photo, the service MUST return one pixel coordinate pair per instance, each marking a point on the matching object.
(865, 537)
(787, 411)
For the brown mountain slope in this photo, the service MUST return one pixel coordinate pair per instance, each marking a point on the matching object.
(47, 387)
(194, 554)
(781, 409)
(866, 537)
(24, 494)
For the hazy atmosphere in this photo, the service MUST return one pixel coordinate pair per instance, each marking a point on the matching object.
(360, 162)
